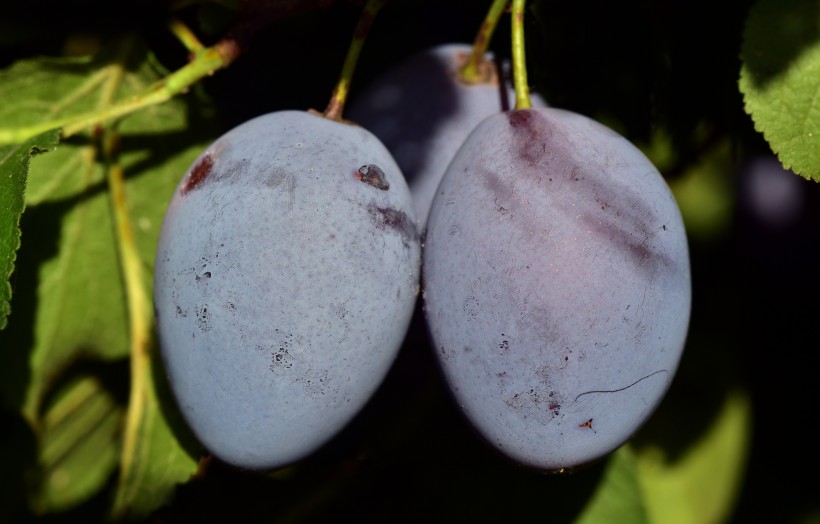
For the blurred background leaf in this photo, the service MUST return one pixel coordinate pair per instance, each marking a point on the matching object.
(701, 485)
(618, 497)
(79, 445)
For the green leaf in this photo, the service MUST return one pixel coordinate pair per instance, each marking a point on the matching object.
(618, 497)
(701, 485)
(14, 167)
(705, 193)
(158, 461)
(70, 294)
(79, 445)
(780, 80)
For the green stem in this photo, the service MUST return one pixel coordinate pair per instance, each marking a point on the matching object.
(522, 90)
(185, 36)
(204, 63)
(339, 96)
(139, 309)
(140, 318)
(471, 73)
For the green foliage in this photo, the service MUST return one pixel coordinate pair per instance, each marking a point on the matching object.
(14, 166)
(79, 435)
(780, 80)
(704, 194)
(618, 498)
(701, 485)
(163, 455)
(74, 315)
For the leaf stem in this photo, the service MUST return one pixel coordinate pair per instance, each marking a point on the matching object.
(471, 73)
(522, 90)
(140, 320)
(185, 36)
(139, 314)
(204, 63)
(340, 92)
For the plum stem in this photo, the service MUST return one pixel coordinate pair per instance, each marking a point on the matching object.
(522, 90)
(471, 73)
(340, 92)
(185, 36)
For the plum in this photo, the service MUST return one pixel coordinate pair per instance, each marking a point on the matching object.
(422, 112)
(286, 275)
(556, 285)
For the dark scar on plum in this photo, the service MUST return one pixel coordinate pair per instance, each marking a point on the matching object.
(199, 172)
(623, 388)
(373, 175)
(521, 118)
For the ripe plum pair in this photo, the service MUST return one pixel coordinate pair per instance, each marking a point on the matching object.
(556, 273)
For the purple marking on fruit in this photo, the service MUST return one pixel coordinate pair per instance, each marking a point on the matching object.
(398, 221)
(198, 173)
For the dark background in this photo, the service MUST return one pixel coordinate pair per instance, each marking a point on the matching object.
(639, 66)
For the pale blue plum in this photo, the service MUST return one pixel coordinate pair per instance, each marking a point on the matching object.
(285, 279)
(557, 286)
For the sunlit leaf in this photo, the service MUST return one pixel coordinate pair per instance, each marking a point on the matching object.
(14, 168)
(618, 497)
(69, 285)
(700, 486)
(780, 80)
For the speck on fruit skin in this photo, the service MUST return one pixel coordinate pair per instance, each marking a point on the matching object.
(373, 175)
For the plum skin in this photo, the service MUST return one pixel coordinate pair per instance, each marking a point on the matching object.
(556, 285)
(284, 284)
